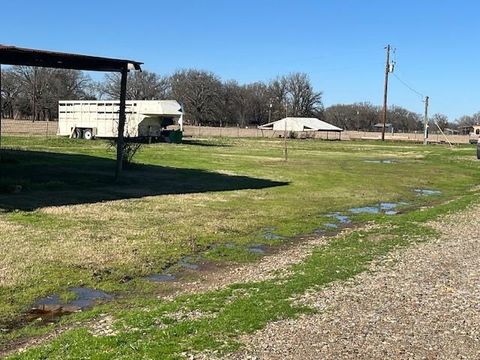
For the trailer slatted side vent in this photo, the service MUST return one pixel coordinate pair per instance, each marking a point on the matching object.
(90, 119)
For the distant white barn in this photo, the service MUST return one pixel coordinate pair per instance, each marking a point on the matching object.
(300, 124)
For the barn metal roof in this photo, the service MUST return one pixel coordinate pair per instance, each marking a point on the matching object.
(12, 55)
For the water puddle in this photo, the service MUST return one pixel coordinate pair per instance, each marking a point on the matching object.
(188, 262)
(50, 308)
(171, 272)
(386, 208)
(427, 192)
(343, 219)
(257, 249)
(254, 249)
(268, 234)
(161, 277)
(365, 209)
(381, 161)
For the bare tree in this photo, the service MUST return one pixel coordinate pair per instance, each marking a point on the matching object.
(358, 116)
(466, 121)
(35, 92)
(363, 116)
(200, 93)
(441, 120)
(32, 83)
(257, 100)
(403, 119)
(293, 95)
(301, 98)
(278, 98)
(143, 85)
(10, 94)
(232, 104)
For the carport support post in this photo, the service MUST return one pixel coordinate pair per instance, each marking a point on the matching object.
(121, 122)
(425, 123)
(1, 113)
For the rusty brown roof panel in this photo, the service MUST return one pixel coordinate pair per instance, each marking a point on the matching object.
(11, 55)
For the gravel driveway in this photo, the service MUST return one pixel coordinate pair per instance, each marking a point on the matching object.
(422, 302)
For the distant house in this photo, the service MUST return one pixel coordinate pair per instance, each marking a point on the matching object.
(300, 124)
(467, 130)
(379, 126)
(474, 134)
(451, 131)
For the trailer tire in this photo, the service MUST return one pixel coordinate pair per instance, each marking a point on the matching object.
(87, 134)
(77, 134)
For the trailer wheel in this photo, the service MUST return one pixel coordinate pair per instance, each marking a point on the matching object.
(87, 134)
(77, 134)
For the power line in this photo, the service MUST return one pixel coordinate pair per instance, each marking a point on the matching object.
(409, 86)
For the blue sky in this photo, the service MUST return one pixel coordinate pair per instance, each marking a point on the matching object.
(340, 44)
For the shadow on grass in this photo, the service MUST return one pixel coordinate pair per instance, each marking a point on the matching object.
(206, 143)
(34, 179)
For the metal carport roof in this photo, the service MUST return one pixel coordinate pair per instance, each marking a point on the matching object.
(11, 55)
(300, 124)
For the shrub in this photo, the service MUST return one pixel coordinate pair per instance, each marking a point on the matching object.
(130, 148)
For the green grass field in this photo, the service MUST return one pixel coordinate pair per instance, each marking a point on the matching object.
(70, 225)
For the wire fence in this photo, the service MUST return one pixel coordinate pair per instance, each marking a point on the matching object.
(49, 128)
(208, 131)
(28, 127)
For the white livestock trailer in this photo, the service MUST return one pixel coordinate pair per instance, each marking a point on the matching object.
(144, 118)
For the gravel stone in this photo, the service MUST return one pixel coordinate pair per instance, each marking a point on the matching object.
(421, 302)
(103, 326)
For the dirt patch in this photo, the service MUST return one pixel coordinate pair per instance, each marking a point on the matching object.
(274, 265)
(23, 345)
(378, 238)
(103, 326)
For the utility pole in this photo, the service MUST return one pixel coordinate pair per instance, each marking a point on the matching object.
(385, 92)
(1, 108)
(121, 123)
(285, 132)
(34, 105)
(425, 122)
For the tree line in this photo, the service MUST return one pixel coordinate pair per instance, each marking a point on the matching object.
(33, 93)
(207, 100)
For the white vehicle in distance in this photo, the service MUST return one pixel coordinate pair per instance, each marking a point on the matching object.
(147, 119)
(474, 134)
